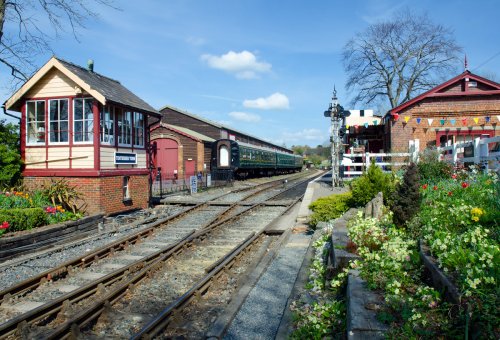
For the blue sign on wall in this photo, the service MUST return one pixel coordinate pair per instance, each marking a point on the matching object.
(125, 158)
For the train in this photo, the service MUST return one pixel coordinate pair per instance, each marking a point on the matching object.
(242, 160)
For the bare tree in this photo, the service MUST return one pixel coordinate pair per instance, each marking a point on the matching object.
(398, 59)
(23, 37)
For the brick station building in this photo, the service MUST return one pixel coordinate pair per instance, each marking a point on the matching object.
(460, 109)
(89, 129)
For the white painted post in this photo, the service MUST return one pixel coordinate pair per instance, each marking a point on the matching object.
(367, 160)
(414, 149)
(483, 155)
(477, 158)
(454, 154)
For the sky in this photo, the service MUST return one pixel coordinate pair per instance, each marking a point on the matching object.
(266, 68)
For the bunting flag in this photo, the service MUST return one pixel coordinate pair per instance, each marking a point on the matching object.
(498, 117)
(419, 120)
(407, 118)
(487, 119)
(442, 121)
(375, 122)
(395, 116)
(452, 121)
(476, 120)
(347, 127)
(366, 125)
(430, 120)
(464, 121)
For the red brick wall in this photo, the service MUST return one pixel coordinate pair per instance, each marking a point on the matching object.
(102, 194)
(443, 108)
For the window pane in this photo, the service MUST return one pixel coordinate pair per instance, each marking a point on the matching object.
(78, 109)
(31, 109)
(88, 107)
(63, 109)
(54, 114)
(40, 110)
(78, 131)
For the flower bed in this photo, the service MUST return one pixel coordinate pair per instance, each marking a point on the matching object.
(25, 211)
(459, 222)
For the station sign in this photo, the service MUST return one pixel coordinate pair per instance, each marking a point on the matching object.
(125, 158)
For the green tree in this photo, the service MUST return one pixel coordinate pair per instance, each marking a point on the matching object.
(10, 158)
(406, 198)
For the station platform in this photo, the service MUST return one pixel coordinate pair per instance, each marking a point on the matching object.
(264, 312)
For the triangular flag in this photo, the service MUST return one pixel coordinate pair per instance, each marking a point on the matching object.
(347, 126)
(452, 121)
(442, 121)
(430, 120)
(487, 119)
(464, 121)
(476, 120)
(407, 118)
(498, 117)
(375, 122)
(366, 125)
(418, 120)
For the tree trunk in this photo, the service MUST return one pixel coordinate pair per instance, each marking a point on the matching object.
(2, 17)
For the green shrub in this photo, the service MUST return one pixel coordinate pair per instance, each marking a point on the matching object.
(366, 187)
(405, 201)
(23, 219)
(329, 208)
(431, 169)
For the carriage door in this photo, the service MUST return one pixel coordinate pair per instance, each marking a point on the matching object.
(167, 157)
(223, 155)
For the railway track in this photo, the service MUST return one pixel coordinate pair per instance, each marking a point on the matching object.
(118, 269)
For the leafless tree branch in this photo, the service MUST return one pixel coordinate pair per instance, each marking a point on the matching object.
(398, 59)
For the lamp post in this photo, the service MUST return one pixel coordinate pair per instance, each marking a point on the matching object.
(337, 114)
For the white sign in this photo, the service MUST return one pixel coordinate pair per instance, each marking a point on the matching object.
(209, 180)
(194, 184)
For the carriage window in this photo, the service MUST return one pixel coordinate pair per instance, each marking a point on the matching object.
(223, 156)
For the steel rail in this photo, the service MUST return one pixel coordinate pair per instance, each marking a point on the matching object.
(39, 313)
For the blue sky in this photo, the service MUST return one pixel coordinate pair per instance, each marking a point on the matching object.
(263, 67)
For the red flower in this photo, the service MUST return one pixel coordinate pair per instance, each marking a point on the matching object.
(424, 186)
(4, 225)
(465, 185)
(454, 176)
(51, 210)
(450, 193)
(435, 187)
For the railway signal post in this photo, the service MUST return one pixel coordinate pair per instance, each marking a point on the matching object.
(337, 115)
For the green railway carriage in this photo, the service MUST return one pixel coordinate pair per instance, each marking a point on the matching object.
(243, 160)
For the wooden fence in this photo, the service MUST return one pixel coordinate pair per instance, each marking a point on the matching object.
(484, 152)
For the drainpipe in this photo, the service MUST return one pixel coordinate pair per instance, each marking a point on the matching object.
(150, 163)
(8, 114)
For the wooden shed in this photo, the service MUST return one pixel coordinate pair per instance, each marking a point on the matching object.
(179, 152)
(89, 129)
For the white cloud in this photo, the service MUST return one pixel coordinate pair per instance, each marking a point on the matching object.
(276, 101)
(245, 117)
(301, 136)
(243, 64)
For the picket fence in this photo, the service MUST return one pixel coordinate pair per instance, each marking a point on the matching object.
(483, 152)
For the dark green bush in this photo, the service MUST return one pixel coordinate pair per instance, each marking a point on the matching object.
(366, 187)
(431, 169)
(23, 219)
(329, 208)
(405, 201)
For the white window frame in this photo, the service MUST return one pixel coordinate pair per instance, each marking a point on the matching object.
(50, 121)
(138, 130)
(108, 119)
(87, 124)
(36, 122)
(122, 129)
(126, 188)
